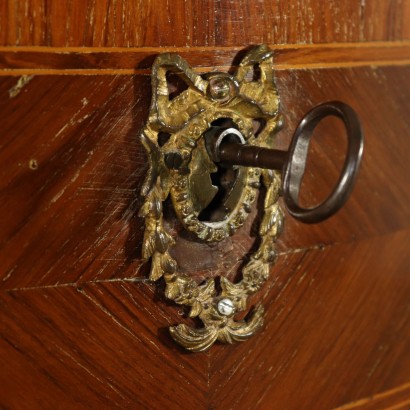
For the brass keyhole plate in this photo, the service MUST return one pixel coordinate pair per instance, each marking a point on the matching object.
(180, 168)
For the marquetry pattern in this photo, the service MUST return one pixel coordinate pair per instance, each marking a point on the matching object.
(34, 60)
(339, 299)
(102, 343)
(81, 200)
(80, 325)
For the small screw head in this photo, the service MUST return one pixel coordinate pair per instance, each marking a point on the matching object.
(222, 87)
(226, 307)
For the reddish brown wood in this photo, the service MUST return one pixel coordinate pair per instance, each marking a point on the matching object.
(199, 23)
(65, 131)
(379, 202)
(333, 325)
(337, 330)
(397, 398)
(94, 347)
(81, 327)
(81, 201)
(71, 222)
(40, 60)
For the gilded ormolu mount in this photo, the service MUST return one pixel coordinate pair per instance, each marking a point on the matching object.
(180, 167)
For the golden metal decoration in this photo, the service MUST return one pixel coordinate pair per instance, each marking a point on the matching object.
(180, 167)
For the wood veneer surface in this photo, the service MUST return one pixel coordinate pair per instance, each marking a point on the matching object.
(73, 314)
(200, 23)
(336, 331)
(81, 201)
(112, 61)
(80, 325)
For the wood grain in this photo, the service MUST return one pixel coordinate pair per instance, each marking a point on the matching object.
(80, 325)
(103, 61)
(337, 327)
(199, 23)
(81, 201)
(65, 133)
(333, 325)
(397, 398)
(82, 328)
(381, 197)
(100, 345)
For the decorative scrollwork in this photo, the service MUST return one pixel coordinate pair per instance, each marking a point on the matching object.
(241, 98)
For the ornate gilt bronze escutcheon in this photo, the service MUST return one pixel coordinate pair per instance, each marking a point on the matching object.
(213, 122)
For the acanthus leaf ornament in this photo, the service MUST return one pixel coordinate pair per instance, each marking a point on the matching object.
(180, 167)
(174, 168)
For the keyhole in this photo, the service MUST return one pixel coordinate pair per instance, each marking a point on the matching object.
(218, 209)
(225, 179)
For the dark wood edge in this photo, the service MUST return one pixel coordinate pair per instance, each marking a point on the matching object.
(114, 61)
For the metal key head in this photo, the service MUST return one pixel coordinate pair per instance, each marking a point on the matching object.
(224, 148)
(294, 168)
